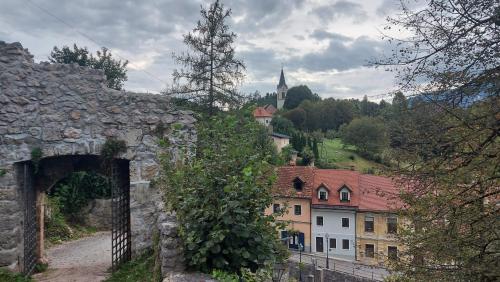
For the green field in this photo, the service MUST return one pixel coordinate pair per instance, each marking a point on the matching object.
(345, 157)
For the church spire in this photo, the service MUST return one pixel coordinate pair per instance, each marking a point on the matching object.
(282, 88)
(282, 79)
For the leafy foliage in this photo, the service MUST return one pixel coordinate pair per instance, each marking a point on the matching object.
(8, 276)
(220, 196)
(448, 152)
(367, 134)
(211, 72)
(74, 192)
(115, 71)
(298, 94)
(138, 269)
(36, 157)
(282, 125)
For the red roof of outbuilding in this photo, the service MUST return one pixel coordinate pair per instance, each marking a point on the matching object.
(261, 112)
(270, 109)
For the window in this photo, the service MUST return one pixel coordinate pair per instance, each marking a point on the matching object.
(345, 222)
(392, 252)
(322, 193)
(345, 195)
(276, 208)
(345, 244)
(319, 220)
(369, 250)
(298, 209)
(298, 184)
(319, 244)
(333, 243)
(392, 225)
(369, 223)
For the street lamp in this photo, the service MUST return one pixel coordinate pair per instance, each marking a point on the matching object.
(327, 249)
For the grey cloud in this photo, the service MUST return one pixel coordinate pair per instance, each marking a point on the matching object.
(322, 34)
(112, 23)
(341, 9)
(261, 15)
(341, 56)
(387, 7)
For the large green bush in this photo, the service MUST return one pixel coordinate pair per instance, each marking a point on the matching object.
(220, 196)
(74, 192)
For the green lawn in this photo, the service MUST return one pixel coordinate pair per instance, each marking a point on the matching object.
(333, 151)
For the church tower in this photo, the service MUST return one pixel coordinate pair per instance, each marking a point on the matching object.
(281, 90)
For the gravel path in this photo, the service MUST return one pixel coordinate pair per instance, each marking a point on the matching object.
(84, 260)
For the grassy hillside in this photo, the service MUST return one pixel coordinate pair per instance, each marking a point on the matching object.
(345, 157)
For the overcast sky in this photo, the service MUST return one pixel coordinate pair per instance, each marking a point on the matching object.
(324, 44)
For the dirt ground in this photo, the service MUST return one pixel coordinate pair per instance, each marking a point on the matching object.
(84, 260)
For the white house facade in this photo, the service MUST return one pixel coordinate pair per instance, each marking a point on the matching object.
(334, 230)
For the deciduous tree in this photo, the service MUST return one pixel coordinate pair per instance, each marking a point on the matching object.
(450, 67)
(115, 70)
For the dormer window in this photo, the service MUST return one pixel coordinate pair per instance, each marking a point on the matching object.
(322, 194)
(298, 184)
(345, 194)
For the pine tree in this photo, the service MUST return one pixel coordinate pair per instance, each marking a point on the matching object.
(210, 73)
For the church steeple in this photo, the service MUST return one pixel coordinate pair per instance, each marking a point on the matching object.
(281, 90)
(282, 80)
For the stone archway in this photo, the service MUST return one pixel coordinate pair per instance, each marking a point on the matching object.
(65, 110)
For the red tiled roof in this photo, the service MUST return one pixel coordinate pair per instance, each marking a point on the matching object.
(378, 193)
(368, 192)
(286, 176)
(261, 112)
(270, 109)
(335, 179)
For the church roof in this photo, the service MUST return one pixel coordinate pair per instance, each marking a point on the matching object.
(282, 80)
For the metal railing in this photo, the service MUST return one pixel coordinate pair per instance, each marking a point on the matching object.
(346, 267)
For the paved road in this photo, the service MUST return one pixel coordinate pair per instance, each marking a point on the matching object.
(84, 260)
(357, 269)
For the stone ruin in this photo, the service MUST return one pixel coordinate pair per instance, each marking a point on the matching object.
(67, 112)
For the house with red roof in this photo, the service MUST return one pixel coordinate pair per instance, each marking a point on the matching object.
(336, 197)
(263, 116)
(376, 221)
(342, 213)
(292, 193)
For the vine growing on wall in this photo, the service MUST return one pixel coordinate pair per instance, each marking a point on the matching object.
(110, 150)
(36, 156)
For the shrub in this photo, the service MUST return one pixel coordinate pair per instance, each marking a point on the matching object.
(74, 192)
(220, 196)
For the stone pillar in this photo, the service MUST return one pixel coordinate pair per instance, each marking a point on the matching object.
(171, 253)
(40, 217)
(310, 278)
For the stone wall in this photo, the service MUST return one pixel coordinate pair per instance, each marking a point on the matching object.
(68, 110)
(98, 214)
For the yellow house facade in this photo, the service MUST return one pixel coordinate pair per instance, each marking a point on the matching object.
(376, 237)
